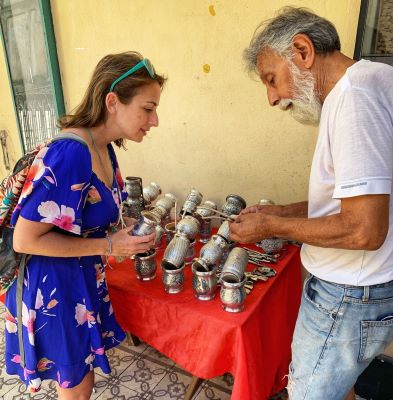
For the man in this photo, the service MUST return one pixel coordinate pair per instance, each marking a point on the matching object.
(346, 314)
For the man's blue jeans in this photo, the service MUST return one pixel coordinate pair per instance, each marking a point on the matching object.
(339, 330)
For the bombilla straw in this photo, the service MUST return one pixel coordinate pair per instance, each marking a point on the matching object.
(230, 219)
(226, 216)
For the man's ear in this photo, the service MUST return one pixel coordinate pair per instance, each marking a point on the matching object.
(303, 51)
(111, 101)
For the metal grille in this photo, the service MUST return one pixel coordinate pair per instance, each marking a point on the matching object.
(37, 117)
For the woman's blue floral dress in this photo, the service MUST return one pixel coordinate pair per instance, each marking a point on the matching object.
(68, 320)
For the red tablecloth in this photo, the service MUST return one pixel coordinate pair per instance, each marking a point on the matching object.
(254, 345)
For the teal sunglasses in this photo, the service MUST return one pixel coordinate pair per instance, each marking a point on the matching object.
(143, 63)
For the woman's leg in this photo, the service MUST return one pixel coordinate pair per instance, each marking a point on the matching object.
(81, 392)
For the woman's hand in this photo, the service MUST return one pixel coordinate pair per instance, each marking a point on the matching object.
(123, 244)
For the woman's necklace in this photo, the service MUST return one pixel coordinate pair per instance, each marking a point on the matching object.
(109, 181)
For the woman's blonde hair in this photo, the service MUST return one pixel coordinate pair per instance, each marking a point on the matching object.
(92, 110)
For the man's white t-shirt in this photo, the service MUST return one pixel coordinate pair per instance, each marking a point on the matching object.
(353, 157)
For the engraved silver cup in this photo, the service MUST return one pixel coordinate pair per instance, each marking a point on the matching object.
(204, 283)
(235, 265)
(146, 224)
(176, 251)
(233, 204)
(151, 192)
(188, 226)
(146, 265)
(211, 253)
(172, 277)
(190, 252)
(232, 295)
(224, 231)
(193, 200)
(271, 245)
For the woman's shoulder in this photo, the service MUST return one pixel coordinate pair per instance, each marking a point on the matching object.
(69, 147)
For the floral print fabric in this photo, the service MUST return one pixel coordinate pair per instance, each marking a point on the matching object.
(67, 317)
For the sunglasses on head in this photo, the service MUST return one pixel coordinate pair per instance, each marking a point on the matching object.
(143, 63)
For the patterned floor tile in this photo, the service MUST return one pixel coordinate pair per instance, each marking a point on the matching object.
(173, 386)
(119, 393)
(144, 375)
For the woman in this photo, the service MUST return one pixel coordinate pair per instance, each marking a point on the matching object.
(65, 219)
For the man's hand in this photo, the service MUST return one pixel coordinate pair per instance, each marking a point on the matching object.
(251, 227)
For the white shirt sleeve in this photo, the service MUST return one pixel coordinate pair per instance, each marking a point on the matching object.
(362, 144)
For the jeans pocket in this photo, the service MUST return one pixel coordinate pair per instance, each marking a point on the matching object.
(319, 296)
(375, 336)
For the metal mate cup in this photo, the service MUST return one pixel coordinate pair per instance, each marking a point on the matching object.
(176, 251)
(204, 283)
(172, 277)
(271, 245)
(193, 200)
(206, 230)
(233, 204)
(151, 192)
(169, 231)
(133, 186)
(146, 224)
(224, 231)
(211, 253)
(146, 265)
(235, 265)
(132, 207)
(232, 295)
(190, 252)
(188, 226)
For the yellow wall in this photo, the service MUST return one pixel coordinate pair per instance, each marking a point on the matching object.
(7, 117)
(217, 132)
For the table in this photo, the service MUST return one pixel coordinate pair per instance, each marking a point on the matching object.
(253, 345)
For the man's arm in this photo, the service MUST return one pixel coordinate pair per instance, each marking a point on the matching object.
(299, 210)
(362, 224)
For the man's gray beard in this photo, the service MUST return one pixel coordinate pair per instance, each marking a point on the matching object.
(306, 107)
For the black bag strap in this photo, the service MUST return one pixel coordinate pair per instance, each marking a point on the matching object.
(22, 265)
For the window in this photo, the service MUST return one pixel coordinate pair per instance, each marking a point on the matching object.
(29, 44)
(374, 39)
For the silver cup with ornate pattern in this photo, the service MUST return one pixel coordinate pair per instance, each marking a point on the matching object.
(206, 224)
(233, 204)
(191, 203)
(146, 265)
(271, 245)
(235, 265)
(188, 226)
(151, 192)
(176, 251)
(204, 283)
(224, 231)
(211, 253)
(172, 277)
(232, 295)
(146, 224)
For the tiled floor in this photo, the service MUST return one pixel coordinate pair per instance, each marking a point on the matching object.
(138, 373)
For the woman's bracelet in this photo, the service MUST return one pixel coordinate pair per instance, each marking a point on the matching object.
(108, 238)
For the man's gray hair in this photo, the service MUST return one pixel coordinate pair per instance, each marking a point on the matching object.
(276, 34)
